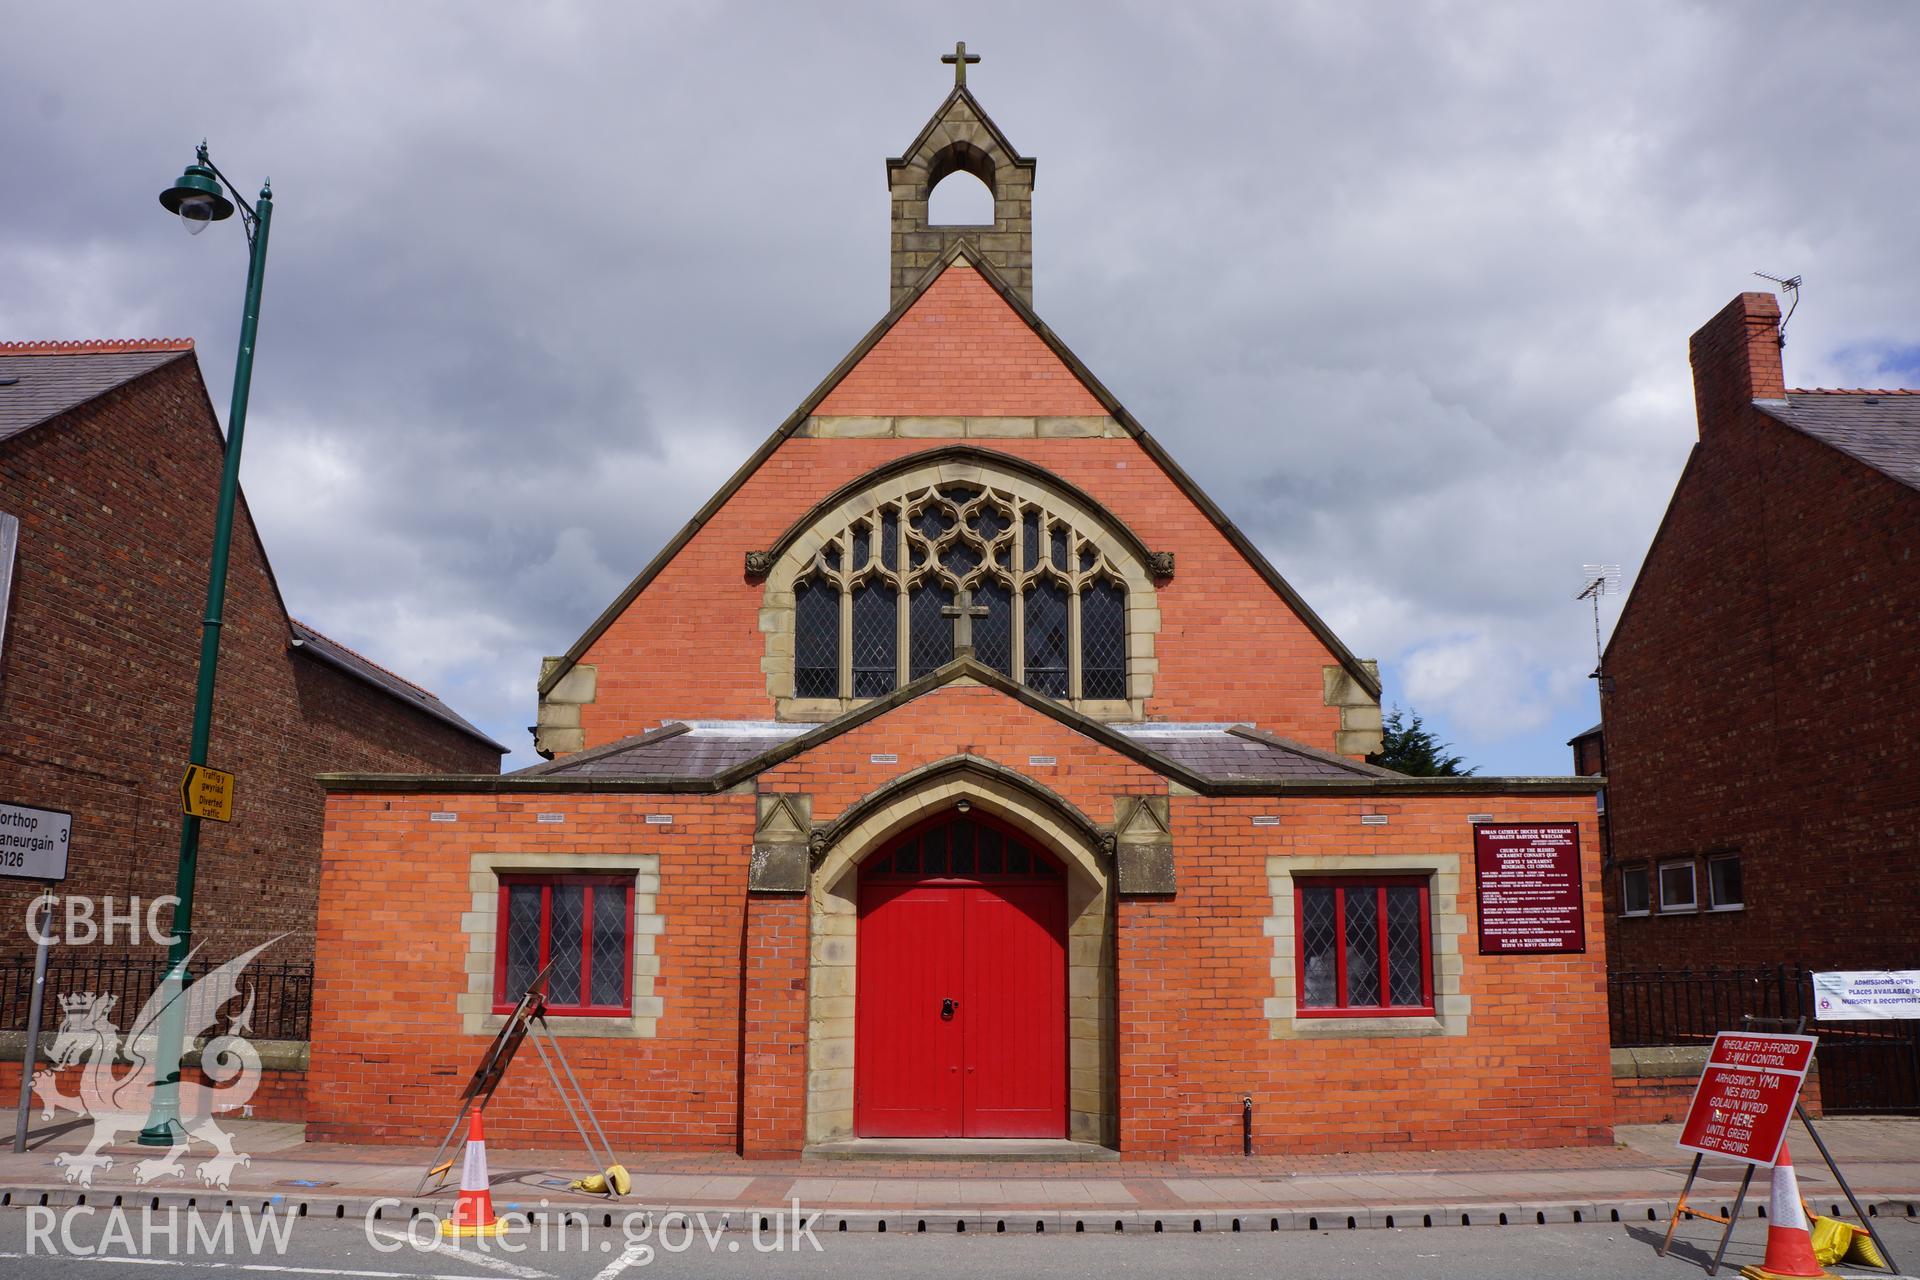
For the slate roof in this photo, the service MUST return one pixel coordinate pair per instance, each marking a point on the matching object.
(50, 378)
(1591, 733)
(1878, 428)
(699, 749)
(1237, 751)
(330, 651)
(704, 748)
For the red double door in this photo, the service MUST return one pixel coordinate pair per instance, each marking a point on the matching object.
(961, 1005)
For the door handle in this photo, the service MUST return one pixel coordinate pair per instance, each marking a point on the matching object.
(947, 1008)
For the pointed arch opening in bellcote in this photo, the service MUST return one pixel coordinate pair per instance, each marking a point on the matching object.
(960, 142)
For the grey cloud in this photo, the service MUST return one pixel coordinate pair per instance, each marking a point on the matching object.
(1407, 288)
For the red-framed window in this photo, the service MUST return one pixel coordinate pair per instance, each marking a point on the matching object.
(584, 925)
(1365, 946)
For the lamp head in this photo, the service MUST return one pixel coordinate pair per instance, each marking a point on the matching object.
(198, 198)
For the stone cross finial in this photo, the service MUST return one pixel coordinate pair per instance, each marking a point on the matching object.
(958, 60)
(963, 611)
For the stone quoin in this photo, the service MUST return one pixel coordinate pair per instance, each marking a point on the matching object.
(959, 770)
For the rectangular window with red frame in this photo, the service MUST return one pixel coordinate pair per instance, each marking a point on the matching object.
(1365, 946)
(582, 924)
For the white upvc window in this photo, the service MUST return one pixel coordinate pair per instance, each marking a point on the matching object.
(1635, 890)
(1724, 891)
(1678, 890)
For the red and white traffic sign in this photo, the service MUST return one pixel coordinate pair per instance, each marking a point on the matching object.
(1746, 1096)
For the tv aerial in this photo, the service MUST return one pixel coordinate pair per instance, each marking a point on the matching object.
(1793, 303)
(1598, 580)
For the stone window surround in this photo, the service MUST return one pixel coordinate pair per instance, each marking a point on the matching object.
(1092, 1112)
(777, 602)
(1447, 924)
(481, 926)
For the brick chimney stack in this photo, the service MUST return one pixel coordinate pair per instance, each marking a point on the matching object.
(1736, 359)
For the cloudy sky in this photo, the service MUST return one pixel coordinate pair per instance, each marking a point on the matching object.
(1406, 286)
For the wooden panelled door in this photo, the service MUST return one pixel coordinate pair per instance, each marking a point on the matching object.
(961, 1005)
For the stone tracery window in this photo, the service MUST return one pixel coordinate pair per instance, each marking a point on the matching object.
(891, 593)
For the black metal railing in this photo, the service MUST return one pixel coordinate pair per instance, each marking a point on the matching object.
(1869, 1066)
(282, 994)
(1688, 1006)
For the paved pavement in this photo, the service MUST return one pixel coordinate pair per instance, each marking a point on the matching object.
(328, 1248)
(1633, 1182)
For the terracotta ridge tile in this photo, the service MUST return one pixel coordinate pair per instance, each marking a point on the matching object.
(1853, 391)
(93, 346)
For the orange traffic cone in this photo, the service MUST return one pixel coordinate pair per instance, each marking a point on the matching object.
(473, 1212)
(1789, 1242)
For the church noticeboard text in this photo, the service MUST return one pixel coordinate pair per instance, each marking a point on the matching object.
(1528, 880)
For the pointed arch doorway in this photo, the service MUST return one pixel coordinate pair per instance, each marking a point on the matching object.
(961, 1026)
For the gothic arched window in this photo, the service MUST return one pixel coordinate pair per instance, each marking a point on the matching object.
(892, 587)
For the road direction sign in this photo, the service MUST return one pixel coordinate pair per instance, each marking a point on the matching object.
(207, 793)
(33, 842)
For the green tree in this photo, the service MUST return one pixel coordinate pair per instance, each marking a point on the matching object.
(1408, 746)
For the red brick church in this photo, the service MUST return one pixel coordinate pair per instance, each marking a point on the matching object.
(959, 770)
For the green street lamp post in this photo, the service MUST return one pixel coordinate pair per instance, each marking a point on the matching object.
(199, 198)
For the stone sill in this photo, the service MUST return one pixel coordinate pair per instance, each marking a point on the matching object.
(1366, 1028)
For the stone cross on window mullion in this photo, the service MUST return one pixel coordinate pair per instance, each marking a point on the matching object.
(963, 611)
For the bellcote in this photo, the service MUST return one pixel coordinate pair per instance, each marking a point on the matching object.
(961, 138)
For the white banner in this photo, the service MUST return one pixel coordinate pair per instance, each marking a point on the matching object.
(1866, 993)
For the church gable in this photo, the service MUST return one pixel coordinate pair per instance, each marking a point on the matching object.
(811, 582)
(960, 351)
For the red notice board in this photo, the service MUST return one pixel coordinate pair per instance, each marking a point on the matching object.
(1746, 1095)
(1531, 898)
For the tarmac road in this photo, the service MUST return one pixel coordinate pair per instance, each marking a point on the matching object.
(343, 1249)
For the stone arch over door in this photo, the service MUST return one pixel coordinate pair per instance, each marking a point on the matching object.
(833, 900)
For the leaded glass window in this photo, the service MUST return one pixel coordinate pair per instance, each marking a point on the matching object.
(816, 641)
(523, 938)
(890, 592)
(993, 633)
(930, 634)
(1046, 618)
(876, 638)
(1365, 947)
(567, 928)
(1103, 640)
(579, 929)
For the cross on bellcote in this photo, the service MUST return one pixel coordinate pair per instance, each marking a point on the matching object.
(963, 611)
(958, 60)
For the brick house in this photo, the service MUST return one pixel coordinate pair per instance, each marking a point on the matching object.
(959, 769)
(110, 459)
(1761, 697)
(1590, 761)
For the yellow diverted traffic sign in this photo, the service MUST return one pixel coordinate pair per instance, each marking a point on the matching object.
(207, 793)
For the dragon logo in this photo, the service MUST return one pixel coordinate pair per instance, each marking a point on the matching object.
(118, 1103)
